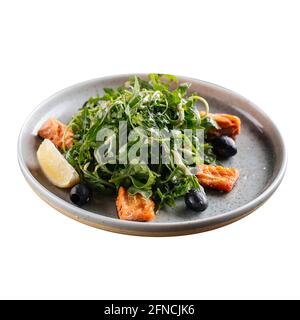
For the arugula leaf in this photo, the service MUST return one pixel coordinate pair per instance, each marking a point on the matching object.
(209, 123)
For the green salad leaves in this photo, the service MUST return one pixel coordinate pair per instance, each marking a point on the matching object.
(159, 103)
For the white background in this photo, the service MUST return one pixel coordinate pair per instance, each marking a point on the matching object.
(251, 47)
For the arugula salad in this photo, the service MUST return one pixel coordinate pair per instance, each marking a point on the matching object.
(149, 142)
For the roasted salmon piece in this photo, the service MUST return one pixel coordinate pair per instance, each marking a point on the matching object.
(229, 125)
(217, 177)
(56, 131)
(134, 207)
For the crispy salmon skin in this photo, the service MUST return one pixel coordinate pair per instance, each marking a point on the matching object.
(217, 177)
(134, 207)
(56, 131)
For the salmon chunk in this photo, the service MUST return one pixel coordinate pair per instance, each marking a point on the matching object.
(134, 207)
(217, 177)
(229, 125)
(56, 131)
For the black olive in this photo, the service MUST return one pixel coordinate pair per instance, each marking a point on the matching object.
(224, 147)
(84, 105)
(196, 200)
(80, 194)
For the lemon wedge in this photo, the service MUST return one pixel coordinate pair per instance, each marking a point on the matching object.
(56, 168)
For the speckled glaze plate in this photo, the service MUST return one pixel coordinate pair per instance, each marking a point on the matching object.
(261, 160)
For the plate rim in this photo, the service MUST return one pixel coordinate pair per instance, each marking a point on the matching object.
(152, 228)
